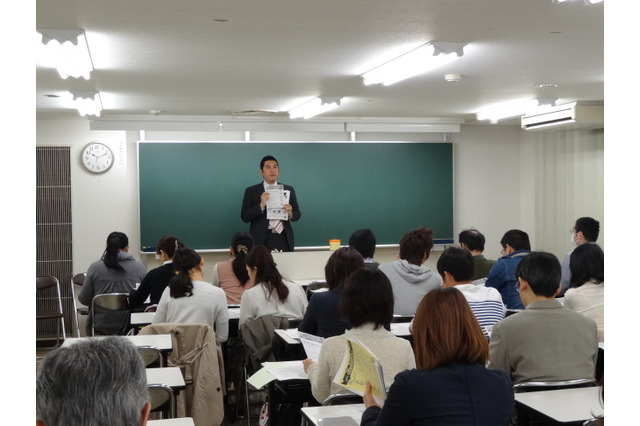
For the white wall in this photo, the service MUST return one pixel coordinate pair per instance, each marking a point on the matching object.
(495, 181)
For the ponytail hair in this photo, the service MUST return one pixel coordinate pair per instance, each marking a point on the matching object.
(168, 244)
(241, 244)
(260, 259)
(116, 241)
(184, 260)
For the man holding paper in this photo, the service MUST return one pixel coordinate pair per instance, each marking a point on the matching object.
(270, 208)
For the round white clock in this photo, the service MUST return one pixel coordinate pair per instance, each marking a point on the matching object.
(97, 157)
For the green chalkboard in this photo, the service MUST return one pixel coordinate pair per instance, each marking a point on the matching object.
(194, 190)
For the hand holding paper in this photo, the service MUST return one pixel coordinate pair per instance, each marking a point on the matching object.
(359, 367)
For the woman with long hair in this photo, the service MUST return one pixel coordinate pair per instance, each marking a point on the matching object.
(451, 385)
(322, 317)
(116, 272)
(231, 275)
(367, 304)
(189, 299)
(271, 295)
(156, 280)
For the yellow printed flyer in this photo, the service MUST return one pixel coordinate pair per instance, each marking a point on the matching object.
(358, 367)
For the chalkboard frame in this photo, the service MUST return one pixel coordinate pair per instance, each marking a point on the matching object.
(174, 177)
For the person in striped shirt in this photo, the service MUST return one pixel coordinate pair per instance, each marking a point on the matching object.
(456, 268)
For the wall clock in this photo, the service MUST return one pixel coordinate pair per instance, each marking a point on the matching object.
(97, 157)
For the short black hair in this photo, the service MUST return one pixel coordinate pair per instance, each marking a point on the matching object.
(267, 158)
(542, 271)
(364, 241)
(367, 297)
(586, 264)
(457, 262)
(517, 239)
(473, 239)
(589, 227)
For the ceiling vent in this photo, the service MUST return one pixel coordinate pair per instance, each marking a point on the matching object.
(568, 116)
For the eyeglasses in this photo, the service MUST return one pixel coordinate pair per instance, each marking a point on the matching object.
(518, 283)
(572, 230)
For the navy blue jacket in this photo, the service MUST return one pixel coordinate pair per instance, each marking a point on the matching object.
(322, 317)
(454, 394)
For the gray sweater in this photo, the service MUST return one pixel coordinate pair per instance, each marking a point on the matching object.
(410, 283)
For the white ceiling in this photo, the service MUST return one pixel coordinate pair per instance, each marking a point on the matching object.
(221, 58)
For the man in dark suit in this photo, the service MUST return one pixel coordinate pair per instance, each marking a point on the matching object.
(273, 234)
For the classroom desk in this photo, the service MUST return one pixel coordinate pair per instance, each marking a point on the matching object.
(169, 376)
(354, 411)
(160, 341)
(562, 406)
(141, 319)
(183, 421)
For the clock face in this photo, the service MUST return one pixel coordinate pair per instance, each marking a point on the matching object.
(97, 157)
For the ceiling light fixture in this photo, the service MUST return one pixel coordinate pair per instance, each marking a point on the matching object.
(87, 103)
(315, 106)
(513, 109)
(417, 61)
(67, 51)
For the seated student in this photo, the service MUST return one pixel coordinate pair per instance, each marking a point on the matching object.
(456, 268)
(473, 241)
(366, 303)
(585, 230)
(116, 272)
(189, 299)
(451, 385)
(586, 294)
(156, 280)
(364, 241)
(546, 341)
(231, 275)
(322, 317)
(271, 295)
(93, 382)
(515, 246)
(409, 278)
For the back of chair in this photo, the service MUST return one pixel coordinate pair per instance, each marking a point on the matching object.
(78, 308)
(162, 400)
(314, 285)
(44, 308)
(551, 385)
(110, 314)
(342, 399)
(151, 356)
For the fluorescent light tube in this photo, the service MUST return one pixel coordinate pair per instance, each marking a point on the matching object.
(68, 51)
(314, 107)
(417, 61)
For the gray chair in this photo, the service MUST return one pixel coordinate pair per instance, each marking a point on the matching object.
(110, 314)
(342, 399)
(151, 356)
(163, 401)
(46, 307)
(78, 308)
(314, 285)
(595, 421)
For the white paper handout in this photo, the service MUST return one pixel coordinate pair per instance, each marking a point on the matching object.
(278, 197)
(311, 345)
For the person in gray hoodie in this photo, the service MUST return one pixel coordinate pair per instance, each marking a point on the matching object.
(409, 278)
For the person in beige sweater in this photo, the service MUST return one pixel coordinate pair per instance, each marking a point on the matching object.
(367, 304)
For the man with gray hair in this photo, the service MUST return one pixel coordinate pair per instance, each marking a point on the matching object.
(97, 382)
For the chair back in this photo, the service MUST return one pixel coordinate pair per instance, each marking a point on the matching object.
(162, 400)
(595, 421)
(151, 356)
(45, 308)
(342, 399)
(79, 308)
(554, 384)
(110, 314)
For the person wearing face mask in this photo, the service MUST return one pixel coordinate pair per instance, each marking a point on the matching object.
(585, 230)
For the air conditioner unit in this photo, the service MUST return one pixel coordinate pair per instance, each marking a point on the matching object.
(572, 115)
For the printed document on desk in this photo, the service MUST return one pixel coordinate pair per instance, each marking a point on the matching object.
(360, 366)
(311, 345)
(283, 370)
